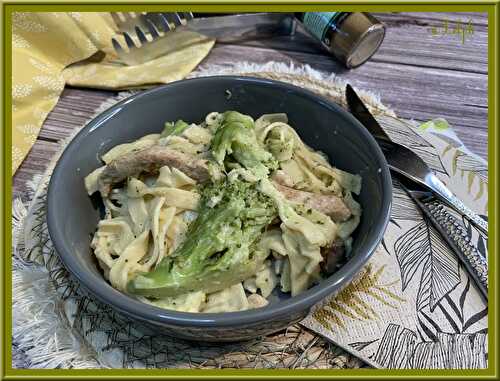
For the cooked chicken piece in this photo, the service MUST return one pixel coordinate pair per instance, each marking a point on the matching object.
(332, 256)
(150, 160)
(330, 205)
(282, 178)
(257, 301)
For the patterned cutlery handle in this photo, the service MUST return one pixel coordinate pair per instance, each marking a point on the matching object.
(458, 239)
(437, 186)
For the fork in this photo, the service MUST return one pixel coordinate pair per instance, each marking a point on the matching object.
(149, 35)
(127, 21)
(142, 33)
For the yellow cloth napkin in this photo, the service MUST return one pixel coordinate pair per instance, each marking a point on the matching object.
(51, 49)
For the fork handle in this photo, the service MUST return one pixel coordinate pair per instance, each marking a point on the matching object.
(458, 240)
(454, 202)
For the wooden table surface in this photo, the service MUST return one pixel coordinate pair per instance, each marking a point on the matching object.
(418, 74)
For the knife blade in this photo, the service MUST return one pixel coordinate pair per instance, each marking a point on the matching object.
(359, 110)
(241, 26)
(407, 163)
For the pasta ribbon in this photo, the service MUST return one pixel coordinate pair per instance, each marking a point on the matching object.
(228, 250)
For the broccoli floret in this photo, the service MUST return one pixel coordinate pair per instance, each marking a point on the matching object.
(235, 141)
(220, 247)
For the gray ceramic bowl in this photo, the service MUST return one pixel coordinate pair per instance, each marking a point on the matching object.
(73, 216)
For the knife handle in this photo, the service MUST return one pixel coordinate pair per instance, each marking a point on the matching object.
(459, 241)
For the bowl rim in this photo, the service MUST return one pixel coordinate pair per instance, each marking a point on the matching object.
(153, 314)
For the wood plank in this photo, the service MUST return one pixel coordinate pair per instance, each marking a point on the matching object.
(406, 43)
(410, 40)
(35, 163)
(74, 108)
(433, 18)
(479, 18)
(477, 141)
(415, 45)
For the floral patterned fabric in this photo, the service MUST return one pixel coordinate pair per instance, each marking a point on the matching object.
(45, 44)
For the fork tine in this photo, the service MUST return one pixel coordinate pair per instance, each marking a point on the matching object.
(152, 29)
(116, 18)
(173, 17)
(140, 34)
(141, 31)
(164, 22)
(188, 16)
(159, 21)
(130, 42)
(177, 19)
(118, 48)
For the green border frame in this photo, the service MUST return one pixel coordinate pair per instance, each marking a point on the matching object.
(489, 6)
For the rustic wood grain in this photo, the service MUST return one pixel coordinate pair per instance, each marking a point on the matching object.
(74, 108)
(458, 96)
(418, 75)
(405, 43)
(35, 163)
(434, 18)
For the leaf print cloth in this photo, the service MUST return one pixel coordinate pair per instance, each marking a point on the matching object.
(414, 305)
(51, 49)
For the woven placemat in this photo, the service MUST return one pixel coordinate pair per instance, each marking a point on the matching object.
(55, 325)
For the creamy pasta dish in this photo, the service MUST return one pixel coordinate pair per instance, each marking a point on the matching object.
(212, 217)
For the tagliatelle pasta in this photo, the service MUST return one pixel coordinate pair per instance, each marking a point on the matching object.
(224, 244)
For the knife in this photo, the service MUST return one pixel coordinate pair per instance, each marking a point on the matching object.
(230, 28)
(404, 161)
(429, 193)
